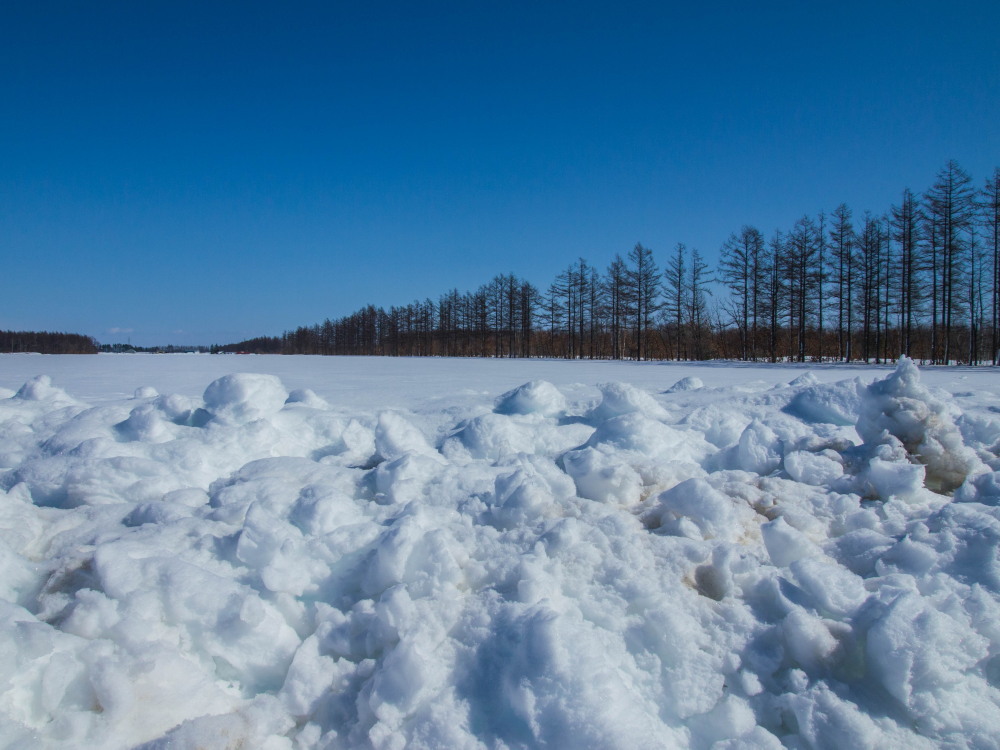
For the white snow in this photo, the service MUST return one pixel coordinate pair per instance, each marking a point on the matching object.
(286, 552)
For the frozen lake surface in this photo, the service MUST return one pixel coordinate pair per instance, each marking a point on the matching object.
(306, 552)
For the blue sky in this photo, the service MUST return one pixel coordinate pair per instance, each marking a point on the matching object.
(175, 172)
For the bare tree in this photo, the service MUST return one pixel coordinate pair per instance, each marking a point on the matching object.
(775, 289)
(697, 292)
(990, 212)
(742, 269)
(643, 277)
(950, 206)
(905, 231)
(843, 262)
(801, 253)
(618, 307)
(676, 294)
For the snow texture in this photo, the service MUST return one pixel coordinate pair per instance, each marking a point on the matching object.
(752, 558)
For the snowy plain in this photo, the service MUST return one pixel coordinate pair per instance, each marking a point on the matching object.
(306, 552)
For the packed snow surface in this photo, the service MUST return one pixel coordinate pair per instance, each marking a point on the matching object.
(264, 552)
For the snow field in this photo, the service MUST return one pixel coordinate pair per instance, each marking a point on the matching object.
(806, 565)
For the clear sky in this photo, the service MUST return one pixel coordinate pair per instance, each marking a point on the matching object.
(201, 172)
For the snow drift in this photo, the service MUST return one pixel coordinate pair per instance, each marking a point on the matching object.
(809, 566)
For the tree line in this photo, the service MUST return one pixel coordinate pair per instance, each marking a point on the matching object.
(921, 279)
(44, 342)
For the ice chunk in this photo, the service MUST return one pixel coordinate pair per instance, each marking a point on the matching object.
(786, 544)
(411, 553)
(808, 640)
(982, 433)
(984, 488)
(535, 491)
(696, 501)
(836, 590)
(759, 449)
(521, 498)
(830, 404)
(309, 677)
(861, 549)
(817, 469)
(825, 720)
(920, 655)
(894, 478)
(757, 738)
(260, 723)
(603, 478)
(731, 717)
(406, 478)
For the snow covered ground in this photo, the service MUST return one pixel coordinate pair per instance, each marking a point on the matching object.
(282, 552)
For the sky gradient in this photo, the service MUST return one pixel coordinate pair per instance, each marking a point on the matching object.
(197, 173)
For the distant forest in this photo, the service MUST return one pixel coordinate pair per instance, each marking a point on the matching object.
(921, 279)
(44, 342)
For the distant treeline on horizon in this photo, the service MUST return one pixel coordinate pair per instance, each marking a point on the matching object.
(921, 279)
(44, 342)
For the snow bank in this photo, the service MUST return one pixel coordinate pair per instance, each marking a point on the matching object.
(900, 411)
(812, 565)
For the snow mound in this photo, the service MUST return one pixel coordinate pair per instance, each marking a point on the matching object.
(495, 437)
(306, 397)
(720, 426)
(695, 508)
(837, 404)
(396, 437)
(40, 388)
(536, 397)
(759, 449)
(690, 383)
(244, 397)
(806, 378)
(622, 398)
(900, 410)
(533, 493)
(598, 476)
